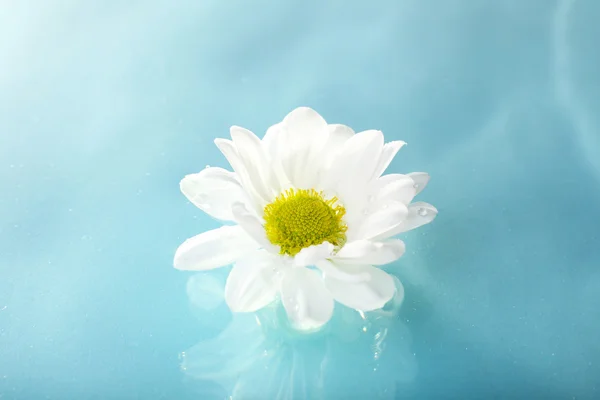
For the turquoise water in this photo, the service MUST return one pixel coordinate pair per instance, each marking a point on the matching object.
(105, 106)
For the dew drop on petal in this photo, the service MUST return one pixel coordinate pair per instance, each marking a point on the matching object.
(207, 166)
(422, 212)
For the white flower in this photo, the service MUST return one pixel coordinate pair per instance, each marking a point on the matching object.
(313, 217)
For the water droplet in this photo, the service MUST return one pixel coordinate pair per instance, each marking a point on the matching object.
(364, 329)
(206, 166)
(422, 212)
(416, 185)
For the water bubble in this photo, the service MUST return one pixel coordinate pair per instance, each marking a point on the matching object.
(206, 166)
(422, 212)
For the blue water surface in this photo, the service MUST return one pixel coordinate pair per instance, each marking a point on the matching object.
(106, 105)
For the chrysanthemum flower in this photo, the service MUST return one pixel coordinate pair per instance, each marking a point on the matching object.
(313, 218)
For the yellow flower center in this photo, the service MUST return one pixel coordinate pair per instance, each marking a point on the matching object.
(299, 218)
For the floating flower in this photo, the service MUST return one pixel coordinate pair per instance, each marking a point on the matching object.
(313, 218)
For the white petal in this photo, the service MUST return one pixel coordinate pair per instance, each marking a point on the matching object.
(356, 161)
(213, 190)
(274, 143)
(394, 187)
(254, 158)
(421, 179)
(393, 306)
(252, 283)
(419, 213)
(306, 301)
(313, 254)
(212, 249)
(253, 226)
(379, 224)
(338, 135)
(306, 133)
(349, 175)
(231, 154)
(387, 155)
(366, 295)
(304, 123)
(333, 270)
(369, 252)
(271, 140)
(325, 158)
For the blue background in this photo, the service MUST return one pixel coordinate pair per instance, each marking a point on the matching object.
(106, 105)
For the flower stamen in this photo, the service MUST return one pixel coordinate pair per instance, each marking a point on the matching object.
(299, 218)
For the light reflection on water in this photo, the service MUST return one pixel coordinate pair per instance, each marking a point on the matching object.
(357, 355)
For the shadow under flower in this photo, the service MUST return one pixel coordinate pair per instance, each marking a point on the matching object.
(356, 355)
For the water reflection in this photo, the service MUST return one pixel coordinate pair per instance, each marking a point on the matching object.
(357, 355)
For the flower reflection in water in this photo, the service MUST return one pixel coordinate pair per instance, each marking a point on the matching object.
(260, 356)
